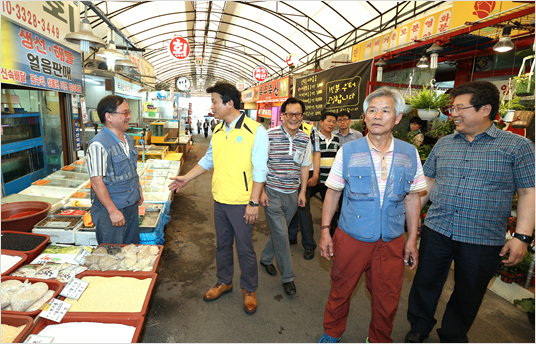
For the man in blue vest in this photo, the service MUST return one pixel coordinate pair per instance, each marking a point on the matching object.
(380, 178)
(238, 153)
(111, 163)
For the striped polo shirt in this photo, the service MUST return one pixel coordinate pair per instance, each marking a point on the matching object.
(328, 150)
(286, 156)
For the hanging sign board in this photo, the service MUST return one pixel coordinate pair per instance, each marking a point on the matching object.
(241, 85)
(247, 96)
(276, 90)
(34, 61)
(179, 48)
(260, 73)
(336, 89)
(125, 88)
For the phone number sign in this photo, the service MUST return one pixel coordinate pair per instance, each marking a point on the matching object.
(35, 61)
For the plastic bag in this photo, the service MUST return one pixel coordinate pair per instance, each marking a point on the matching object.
(56, 253)
(66, 275)
(100, 251)
(10, 285)
(37, 304)
(129, 248)
(108, 263)
(27, 294)
(27, 270)
(5, 299)
(127, 263)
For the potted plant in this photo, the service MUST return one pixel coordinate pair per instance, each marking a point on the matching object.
(442, 128)
(407, 105)
(524, 85)
(528, 306)
(517, 273)
(507, 108)
(359, 126)
(428, 103)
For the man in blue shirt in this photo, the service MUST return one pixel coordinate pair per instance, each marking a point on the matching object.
(345, 133)
(471, 178)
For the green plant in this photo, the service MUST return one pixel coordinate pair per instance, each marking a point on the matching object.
(428, 99)
(526, 304)
(520, 268)
(424, 151)
(510, 105)
(358, 125)
(442, 128)
(522, 85)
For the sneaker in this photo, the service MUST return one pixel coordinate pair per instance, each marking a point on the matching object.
(329, 339)
(367, 340)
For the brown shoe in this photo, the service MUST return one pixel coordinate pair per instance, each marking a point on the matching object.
(215, 292)
(250, 301)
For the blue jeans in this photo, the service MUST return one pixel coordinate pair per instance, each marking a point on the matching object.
(108, 234)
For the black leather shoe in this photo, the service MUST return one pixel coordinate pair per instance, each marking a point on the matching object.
(414, 337)
(309, 254)
(290, 288)
(293, 242)
(270, 269)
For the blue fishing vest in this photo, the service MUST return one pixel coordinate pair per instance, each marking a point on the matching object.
(362, 217)
(121, 179)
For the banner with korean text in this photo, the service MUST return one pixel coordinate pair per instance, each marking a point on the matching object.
(337, 89)
(276, 90)
(29, 59)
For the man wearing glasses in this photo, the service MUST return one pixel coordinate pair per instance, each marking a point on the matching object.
(471, 178)
(289, 158)
(345, 133)
(111, 163)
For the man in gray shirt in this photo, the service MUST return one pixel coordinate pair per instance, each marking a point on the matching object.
(345, 133)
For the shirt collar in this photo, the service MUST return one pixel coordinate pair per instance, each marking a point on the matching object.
(338, 132)
(391, 146)
(492, 131)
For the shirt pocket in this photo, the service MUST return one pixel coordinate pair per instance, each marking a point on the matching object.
(299, 155)
(121, 164)
(402, 180)
(360, 179)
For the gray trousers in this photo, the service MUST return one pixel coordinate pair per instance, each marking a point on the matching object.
(231, 226)
(106, 233)
(279, 212)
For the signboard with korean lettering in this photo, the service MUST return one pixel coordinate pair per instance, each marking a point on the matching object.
(247, 96)
(276, 90)
(179, 48)
(260, 73)
(34, 61)
(49, 19)
(125, 88)
(336, 89)
(471, 11)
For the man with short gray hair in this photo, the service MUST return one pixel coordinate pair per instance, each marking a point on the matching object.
(380, 178)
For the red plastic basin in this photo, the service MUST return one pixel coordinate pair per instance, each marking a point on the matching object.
(25, 223)
(18, 320)
(52, 285)
(36, 251)
(18, 264)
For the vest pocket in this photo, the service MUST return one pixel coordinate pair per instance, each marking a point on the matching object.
(121, 164)
(396, 217)
(359, 217)
(360, 179)
(402, 180)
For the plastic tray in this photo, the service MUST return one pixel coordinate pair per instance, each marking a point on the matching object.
(52, 285)
(48, 191)
(18, 320)
(137, 275)
(75, 219)
(147, 229)
(84, 203)
(19, 263)
(30, 255)
(112, 273)
(136, 321)
(58, 211)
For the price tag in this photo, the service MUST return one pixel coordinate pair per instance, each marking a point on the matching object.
(68, 168)
(55, 310)
(35, 338)
(41, 182)
(79, 195)
(74, 289)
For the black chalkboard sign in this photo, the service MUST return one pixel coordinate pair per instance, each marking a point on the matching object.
(337, 89)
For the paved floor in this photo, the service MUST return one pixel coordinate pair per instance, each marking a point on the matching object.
(187, 270)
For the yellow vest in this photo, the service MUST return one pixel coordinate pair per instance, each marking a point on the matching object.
(231, 153)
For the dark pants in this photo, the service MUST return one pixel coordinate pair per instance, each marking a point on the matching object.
(206, 133)
(107, 233)
(231, 226)
(474, 266)
(304, 220)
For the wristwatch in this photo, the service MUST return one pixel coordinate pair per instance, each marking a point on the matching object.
(525, 238)
(253, 204)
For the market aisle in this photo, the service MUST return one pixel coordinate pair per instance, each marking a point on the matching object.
(187, 270)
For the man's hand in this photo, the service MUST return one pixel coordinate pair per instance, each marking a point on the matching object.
(326, 245)
(517, 249)
(312, 181)
(302, 200)
(140, 202)
(178, 183)
(410, 249)
(264, 200)
(251, 215)
(117, 218)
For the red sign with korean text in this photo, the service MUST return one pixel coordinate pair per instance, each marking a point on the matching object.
(274, 90)
(179, 48)
(260, 73)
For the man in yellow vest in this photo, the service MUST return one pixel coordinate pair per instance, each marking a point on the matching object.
(239, 156)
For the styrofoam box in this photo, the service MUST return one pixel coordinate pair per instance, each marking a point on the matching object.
(57, 235)
(83, 201)
(85, 238)
(45, 191)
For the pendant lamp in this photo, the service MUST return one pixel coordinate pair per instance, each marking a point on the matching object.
(85, 36)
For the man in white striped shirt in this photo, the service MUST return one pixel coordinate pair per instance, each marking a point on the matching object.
(111, 164)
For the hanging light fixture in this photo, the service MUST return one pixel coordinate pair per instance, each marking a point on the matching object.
(85, 36)
(111, 54)
(126, 62)
(423, 62)
(379, 71)
(434, 50)
(505, 42)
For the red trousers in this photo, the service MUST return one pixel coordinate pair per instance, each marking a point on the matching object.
(383, 263)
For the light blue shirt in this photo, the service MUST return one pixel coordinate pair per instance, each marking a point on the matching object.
(259, 153)
(351, 136)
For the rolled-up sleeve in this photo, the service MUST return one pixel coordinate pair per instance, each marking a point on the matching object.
(97, 160)
(206, 161)
(259, 155)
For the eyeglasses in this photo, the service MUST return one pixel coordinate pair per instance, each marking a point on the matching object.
(295, 115)
(343, 119)
(126, 113)
(459, 109)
